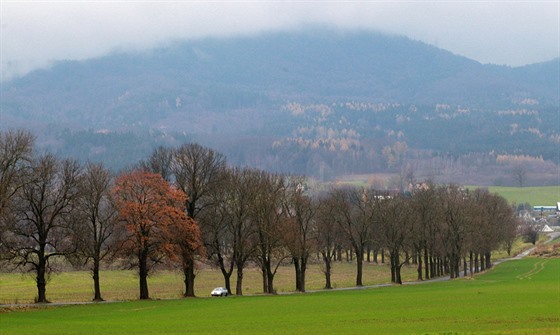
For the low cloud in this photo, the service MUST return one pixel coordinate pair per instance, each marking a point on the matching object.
(33, 34)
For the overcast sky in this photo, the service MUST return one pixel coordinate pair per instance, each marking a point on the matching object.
(35, 33)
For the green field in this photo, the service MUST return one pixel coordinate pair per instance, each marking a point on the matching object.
(517, 297)
(541, 195)
(545, 195)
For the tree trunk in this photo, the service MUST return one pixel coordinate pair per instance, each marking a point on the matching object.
(298, 274)
(450, 266)
(395, 267)
(188, 272)
(41, 271)
(433, 268)
(393, 275)
(454, 265)
(327, 261)
(509, 245)
(426, 266)
(225, 272)
(302, 274)
(264, 277)
(239, 284)
(96, 285)
(476, 268)
(488, 261)
(41, 281)
(227, 282)
(398, 272)
(270, 280)
(471, 264)
(419, 269)
(300, 264)
(143, 274)
(359, 266)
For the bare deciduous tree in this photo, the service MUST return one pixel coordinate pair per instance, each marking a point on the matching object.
(217, 235)
(531, 233)
(97, 220)
(238, 199)
(519, 173)
(455, 221)
(43, 208)
(392, 214)
(353, 211)
(426, 217)
(16, 148)
(300, 230)
(198, 172)
(268, 216)
(160, 162)
(328, 236)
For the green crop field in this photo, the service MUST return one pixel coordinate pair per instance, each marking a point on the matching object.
(541, 195)
(545, 195)
(517, 297)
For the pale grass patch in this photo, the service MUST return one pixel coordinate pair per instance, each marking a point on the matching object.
(120, 285)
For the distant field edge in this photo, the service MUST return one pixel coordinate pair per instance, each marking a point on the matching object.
(535, 196)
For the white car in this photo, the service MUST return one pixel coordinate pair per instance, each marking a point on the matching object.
(219, 292)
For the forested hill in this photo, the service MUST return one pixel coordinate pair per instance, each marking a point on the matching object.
(227, 91)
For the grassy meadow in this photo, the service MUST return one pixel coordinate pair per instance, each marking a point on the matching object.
(516, 297)
(122, 285)
(544, 195)
(77, 286)
(539, 195)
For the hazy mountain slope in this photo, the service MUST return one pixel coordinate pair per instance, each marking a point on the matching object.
(292, 102)
(262, 72)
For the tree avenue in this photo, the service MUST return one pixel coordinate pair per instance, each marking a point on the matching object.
(184, 206)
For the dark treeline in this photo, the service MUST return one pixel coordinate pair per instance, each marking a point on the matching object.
(185, 205)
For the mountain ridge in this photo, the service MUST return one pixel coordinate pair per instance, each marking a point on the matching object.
(288, 101)
(291, 62)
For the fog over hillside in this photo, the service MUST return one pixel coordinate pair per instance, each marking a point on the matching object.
(320, 103)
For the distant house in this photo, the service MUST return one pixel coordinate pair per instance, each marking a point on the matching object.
(525, 215)
(546, 229)
(546, 208)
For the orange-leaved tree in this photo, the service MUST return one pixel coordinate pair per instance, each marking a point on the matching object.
(151, 211)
